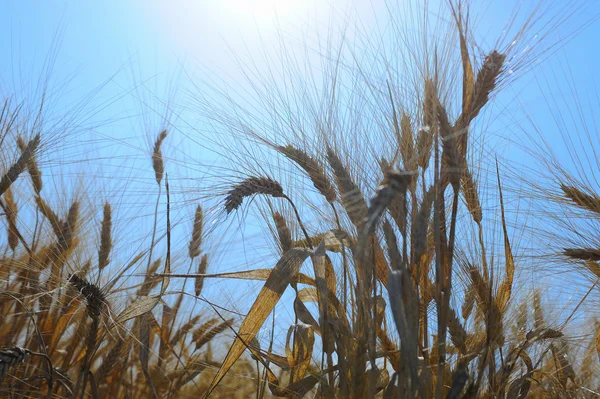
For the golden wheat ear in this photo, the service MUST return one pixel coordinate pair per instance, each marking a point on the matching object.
(314, 170)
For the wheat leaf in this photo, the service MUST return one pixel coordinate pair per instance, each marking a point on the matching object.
(281, 276)
(142, 305)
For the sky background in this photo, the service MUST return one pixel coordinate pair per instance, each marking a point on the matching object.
(140, 60)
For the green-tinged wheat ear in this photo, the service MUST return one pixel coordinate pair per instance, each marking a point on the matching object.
(314, 170)
(157, 158)
(352, 197)
(10, 210)
(590, 202)
(591, 254)
(196, 241)
(17, 168)
(283, 232)
(32, 166)
(249, 187)
(105, 238)
(199, 282)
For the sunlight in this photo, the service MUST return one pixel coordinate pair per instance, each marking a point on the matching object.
(264, 11)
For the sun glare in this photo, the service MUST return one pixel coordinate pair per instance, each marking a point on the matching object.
(264, 10)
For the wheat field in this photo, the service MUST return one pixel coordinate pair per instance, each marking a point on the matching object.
(360, 236)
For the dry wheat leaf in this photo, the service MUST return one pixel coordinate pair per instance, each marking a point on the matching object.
(505, 289)
(308, 294)
(281, 276)
(256, 274)
(142, 305)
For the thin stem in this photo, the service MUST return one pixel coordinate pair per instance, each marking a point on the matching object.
(154, 228)
(308, 240)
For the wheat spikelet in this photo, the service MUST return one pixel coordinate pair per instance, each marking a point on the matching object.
(590, 202)
(17, 168)
(249, 187)
(32, 167)
(283, 232)
(105, 238)
(157, 158)
(589, 254)
(199, 281)
(11, 219)
(196, 241)
(313, 169)
(352, 197)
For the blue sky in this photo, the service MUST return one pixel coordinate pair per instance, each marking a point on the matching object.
(144, 53)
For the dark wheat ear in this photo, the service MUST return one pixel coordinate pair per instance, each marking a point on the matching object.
(249, 187)
(11, 356)
(312, 168)
(105, 238)
(93, 295)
